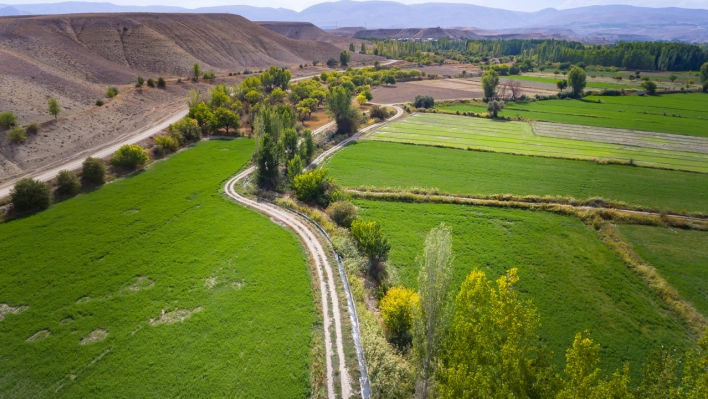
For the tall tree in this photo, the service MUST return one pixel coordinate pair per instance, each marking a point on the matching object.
(344, 58)
(196, 71)
(433, 318)
(577, 81)
(339, 106)
(54, 107)
(490, 81)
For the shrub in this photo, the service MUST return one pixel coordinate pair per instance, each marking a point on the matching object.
(374, 244)
(331, 63)
(99, 103)
(343, 213)
(209, 75)
(151, 83)
(167, 143)
(161, 82)
(649, 86)
(17, 135)
(378, 112)
(314, 186)
(30, 195)
(7, 119)
(32, 128)
(611, 92)
(130, 156)
(139, 82)
(111, 92)
(494, 106)
(93, 171)
(185, 130)
(424, 102)
(397, 309)
(68, 183)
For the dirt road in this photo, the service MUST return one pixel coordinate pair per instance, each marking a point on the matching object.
(325, 271)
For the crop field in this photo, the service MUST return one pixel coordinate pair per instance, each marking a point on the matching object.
(519, 138)
(472, 172)
(685, 114)
(155, 286)
(590, 83)
(573, 279)
(680, 256)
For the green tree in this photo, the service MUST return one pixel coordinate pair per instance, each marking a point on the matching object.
(351, 47)
(294, 168)
(68, 183)
(494, 106)
(7, 119)
(562, 85)
(111, 92)
(397, 309)
(30, 195)
(344, 58)
(194, 99)
(374, 244)
(431, 323)
(314, 186)
(289, 142)
(267, 161)
(580, 368)
(196, 71)
(186, 129)
(130, 156)
(339, 106)
(660, 376)
(54, 107)
(307, 146)
(202, 114)
(673, 78)
(17, 134)
(704, 72)
(140, 82)
(93, 171)
(224, 119)
(494, 349)
(363, 48)
(577, 81)
(490, 81)
(695, 373)
(220, 97)
(649, 87)
(389, 80)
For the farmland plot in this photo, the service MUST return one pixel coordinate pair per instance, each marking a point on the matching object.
(155, 286)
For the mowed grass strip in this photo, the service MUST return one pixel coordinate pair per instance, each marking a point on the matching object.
(379, 164)
(228, 291)
(517, 138)
(651, 113)
(680, 256)
(575, 281)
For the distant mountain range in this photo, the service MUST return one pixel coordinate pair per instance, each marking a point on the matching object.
(610, 22)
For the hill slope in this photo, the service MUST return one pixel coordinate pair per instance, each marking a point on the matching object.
(306, 31)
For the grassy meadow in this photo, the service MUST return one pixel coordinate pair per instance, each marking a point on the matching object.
(680, 256)
(519, 138)
(652, 113)
(575, 281)
(472, 172)
(156, 286)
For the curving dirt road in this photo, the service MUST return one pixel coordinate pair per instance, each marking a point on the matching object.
(325, 273)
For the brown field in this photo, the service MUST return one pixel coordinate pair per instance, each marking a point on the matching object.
(440, 89)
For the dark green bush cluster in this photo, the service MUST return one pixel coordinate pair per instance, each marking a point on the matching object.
(68, 183)
(93, 171)
(424, 102)
(30, 195)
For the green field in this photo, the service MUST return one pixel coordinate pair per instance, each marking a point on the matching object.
(680, 256)
(590, 83)
(518, 138)
(161, 241)
(473, 172)
(576, 282)
(624, 112)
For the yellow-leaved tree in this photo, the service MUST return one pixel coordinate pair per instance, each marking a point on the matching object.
(397, 309)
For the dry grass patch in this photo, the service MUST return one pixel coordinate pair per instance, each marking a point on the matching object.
(177, 315)
(6, 309)
(96, 335)
(39, 335)
(140, 283)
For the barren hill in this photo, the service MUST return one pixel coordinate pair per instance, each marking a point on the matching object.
(306, 31)
(416, 33)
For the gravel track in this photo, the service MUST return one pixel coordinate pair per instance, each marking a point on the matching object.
(325, 273)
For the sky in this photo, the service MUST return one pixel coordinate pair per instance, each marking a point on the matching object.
(298, 5)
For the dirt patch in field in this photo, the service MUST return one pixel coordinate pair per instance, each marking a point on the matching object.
(39, 335)
(83, 299)
(178, 315)
(406, 91)
(210, 282)
(6, 309)
(96, 335)
(140, 283)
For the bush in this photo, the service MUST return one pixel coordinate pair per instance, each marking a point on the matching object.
(130, 156)
(167, 143)
(30, 195)
(378, 112)
(209, 75)
(314, 186)
(151, 83)
(343, 213)
(185, 130)
(93, 171)
(424, 102)
(331, 63)
(68, 183)
(17, 135)
(397, 310)
(7, 119)
(99, 103)
(161, 82)
(32, 128)
(649, 86)
(111, 92)
(611, 92)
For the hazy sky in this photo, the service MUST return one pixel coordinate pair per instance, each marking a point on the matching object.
(521, 5)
